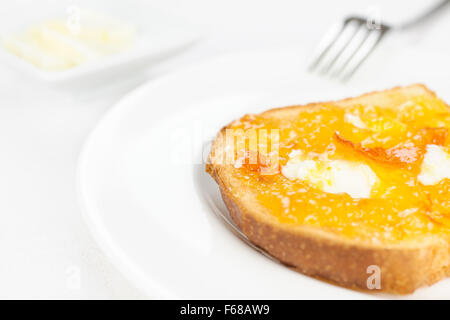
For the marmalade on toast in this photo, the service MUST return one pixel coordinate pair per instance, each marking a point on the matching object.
(404, 201)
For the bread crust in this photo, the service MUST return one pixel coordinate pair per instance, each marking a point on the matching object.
(315, 252)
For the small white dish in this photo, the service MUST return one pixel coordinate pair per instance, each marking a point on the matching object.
(158, 35)
(151, 206)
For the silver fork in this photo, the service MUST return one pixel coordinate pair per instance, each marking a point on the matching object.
(346, 46)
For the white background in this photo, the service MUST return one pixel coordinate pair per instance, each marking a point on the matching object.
(44, 245)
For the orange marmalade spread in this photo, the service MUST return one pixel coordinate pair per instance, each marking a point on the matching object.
(407, 198)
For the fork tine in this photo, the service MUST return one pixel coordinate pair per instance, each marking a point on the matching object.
(363, 53)
(351, 50)
(346, 37)
(327, 42)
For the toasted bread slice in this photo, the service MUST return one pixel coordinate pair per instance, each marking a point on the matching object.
(394, 236)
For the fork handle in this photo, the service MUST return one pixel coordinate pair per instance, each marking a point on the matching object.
(426, 15)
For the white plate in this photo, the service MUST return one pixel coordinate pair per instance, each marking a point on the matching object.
(149, 203)
(158, 35)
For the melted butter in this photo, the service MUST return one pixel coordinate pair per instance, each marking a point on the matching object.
(332, 176)
(435, 165)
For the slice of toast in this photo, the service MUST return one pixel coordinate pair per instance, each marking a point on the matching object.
(383, 224)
